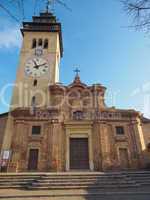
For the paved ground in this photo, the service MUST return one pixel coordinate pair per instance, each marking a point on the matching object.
(71, 195)
(100, 197)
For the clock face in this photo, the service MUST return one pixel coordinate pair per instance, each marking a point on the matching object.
(36, 67)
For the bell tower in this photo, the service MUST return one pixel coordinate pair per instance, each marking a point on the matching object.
(40, 56)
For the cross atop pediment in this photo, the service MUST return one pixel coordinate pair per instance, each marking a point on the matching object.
(77, 71)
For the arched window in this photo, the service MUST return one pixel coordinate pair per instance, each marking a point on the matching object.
(40, 43)
(34, 43)
(35, 83)
(46, 44)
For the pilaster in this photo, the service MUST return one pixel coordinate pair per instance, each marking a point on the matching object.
(105, 147)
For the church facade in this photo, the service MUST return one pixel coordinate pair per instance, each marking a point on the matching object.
(52, 127)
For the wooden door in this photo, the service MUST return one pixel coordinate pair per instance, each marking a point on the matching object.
(79, 153)
(124, 160)
(33, 159)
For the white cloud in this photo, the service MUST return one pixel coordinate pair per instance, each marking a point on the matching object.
(10, 37)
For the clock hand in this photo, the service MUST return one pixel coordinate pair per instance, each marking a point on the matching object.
(35, 63)
(41, 65)
(38, 66)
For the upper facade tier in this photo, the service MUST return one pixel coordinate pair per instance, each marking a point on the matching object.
(46, 22)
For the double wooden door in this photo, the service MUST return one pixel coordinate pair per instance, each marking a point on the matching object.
(79, 153)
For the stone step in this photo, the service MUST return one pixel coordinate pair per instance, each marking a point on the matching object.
(137, 172)
(84, 177)
(81, 183)
(16, 180)
(61, 174)
(82, 180)
(148, 175)
(63, 187)
(137, 176)
(143, 182)
(18, 177)
(141, 179)
(66, 183)
(53, 177)
(76, 181)
(13, 186)
(63, 180)
(15, 183)
(66, 178)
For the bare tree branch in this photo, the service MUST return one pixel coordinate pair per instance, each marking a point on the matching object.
(139, 11)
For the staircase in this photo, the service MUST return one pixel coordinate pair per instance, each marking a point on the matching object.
(68, 185)
(82, 181)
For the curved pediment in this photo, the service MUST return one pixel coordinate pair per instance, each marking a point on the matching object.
(77, 83)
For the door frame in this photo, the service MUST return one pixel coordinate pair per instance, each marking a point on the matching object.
(125, 146)
(28, 154)
(79, 132)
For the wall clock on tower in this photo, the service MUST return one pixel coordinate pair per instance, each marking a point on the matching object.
(36, 67)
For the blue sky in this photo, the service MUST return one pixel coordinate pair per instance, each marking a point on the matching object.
(97, 40)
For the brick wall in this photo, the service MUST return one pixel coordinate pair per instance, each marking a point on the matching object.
(3, 120)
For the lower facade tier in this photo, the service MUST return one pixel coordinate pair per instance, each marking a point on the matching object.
(77, 147)
(58, 146)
